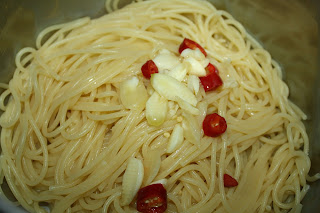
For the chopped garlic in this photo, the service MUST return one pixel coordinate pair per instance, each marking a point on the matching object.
(179, 119)
(166, 134)
(166, 60)
(133, 93)
(156, 109)
(175, 139)
(132, 180)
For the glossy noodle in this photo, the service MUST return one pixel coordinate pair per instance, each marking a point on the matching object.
(67, 137)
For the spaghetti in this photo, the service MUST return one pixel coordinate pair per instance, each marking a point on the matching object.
(66, 136)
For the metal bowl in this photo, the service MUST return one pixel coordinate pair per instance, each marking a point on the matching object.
(287, 29)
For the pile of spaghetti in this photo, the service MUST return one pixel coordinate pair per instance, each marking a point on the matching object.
(167, 105)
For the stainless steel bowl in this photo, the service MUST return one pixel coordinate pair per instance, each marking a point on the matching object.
(287, 29)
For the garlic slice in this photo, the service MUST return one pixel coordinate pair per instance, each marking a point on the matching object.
(152, 163)
(166, 60)
(173, 108)
(179, 72)
(187, 107)
(191, 128)
(196, 54)
(171, 88)
(132, 180)
(133, 93)
(156, 109)
(194, 84)
(203, 108)
(196, 67)
(196, 60)
(175, 139)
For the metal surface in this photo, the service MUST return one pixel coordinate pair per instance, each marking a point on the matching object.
(287, 29)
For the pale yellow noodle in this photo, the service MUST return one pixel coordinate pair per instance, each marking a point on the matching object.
(66, 136)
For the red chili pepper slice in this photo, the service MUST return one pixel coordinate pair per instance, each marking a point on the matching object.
(152, 199)
(149, 68)
(214, 125)
(210, 69)
(229, 181)
(187, 43)
(212, 80)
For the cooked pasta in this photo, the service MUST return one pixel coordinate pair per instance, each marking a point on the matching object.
(67, 136)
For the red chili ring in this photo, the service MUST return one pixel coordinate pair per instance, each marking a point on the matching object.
(152, 199)
(214, 125)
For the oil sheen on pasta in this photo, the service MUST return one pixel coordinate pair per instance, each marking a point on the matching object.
(66, 137)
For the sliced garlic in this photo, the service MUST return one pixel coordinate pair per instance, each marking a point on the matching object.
(166, 60)
(196, 60)
(132, 180)
(179, 72)
(175, 139)
(150, 89)
(205, 62)
(173, 108)
(196, 54)
(156, 109)
(191, 129)
(133, 93)
(187, 107)
(194, 84)
(202, 106)
(152, 163)
(195, 67)
(171, 88)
